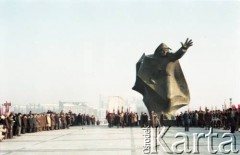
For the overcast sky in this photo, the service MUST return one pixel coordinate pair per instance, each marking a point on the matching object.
(53, 50)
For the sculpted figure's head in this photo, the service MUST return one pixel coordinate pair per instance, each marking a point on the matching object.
(162, 50)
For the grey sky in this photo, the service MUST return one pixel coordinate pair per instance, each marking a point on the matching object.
(76, 50)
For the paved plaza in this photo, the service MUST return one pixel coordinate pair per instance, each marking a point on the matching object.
(97, 140)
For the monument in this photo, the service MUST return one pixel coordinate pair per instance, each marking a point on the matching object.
(160, 80)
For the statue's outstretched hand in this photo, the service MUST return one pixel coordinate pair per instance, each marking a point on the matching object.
(187, 44)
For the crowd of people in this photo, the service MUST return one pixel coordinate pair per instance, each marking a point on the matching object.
(228, 119)
(16, 124)
(131, 119)
(122, 119)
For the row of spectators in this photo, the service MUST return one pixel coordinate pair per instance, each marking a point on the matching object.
(131, 119)
(17, 124)
(225, 119)
(122, 119)
(215, 118)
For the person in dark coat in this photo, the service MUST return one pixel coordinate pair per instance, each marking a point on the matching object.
(208, 119)
(24, 124)
(88, 119)
(80, 119)
(56, 121)
(117, 120)
(201, 121)
(126, 118)
(68, 120)
(14, 117)
(232, 120)
(141, 120)
(186, 119)
(19, 124)
(30, 123)
(237, 119)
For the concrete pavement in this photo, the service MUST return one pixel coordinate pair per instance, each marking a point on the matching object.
(98, 140)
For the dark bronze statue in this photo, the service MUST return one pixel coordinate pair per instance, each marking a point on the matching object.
(161, 81)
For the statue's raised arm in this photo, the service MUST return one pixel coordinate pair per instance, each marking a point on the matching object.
(177, 55)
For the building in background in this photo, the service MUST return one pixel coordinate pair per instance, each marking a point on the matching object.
(137, 105)
(35, 108)
(77, 107)
(110, 103)
(115, 104)
(106, 103)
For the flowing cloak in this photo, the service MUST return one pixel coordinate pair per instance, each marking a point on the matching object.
(161, 82)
